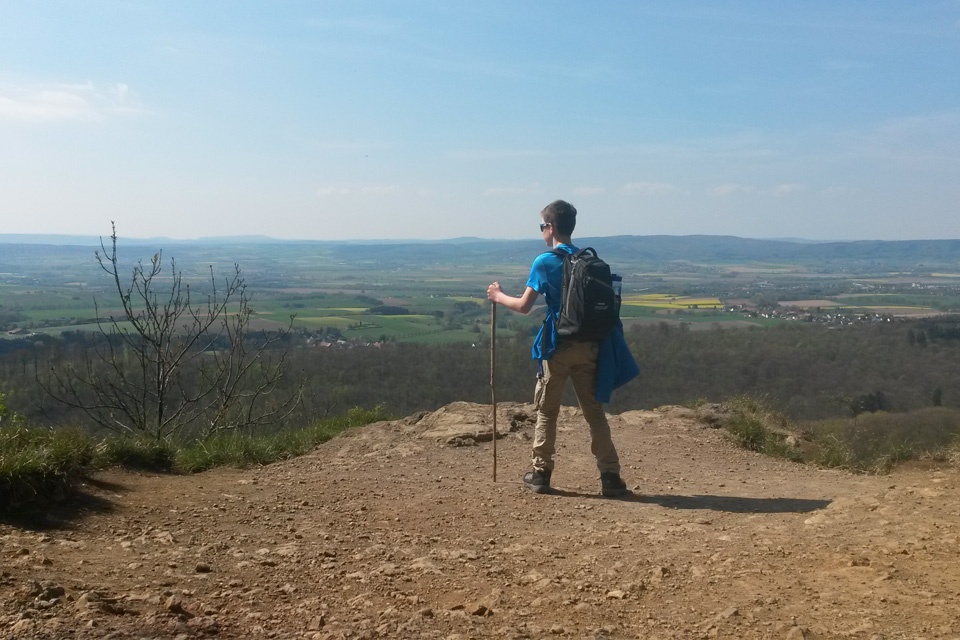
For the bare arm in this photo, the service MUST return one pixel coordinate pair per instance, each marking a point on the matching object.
(523, 304)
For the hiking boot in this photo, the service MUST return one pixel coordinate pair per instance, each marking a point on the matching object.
(537, 480)
(612, 485)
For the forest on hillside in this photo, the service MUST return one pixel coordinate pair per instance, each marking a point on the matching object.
(809, 372)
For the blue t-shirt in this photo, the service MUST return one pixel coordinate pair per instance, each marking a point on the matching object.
(546, 278)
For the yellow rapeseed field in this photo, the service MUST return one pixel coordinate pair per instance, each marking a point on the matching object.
(667, 301)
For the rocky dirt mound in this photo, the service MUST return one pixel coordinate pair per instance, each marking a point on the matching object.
(396, 530)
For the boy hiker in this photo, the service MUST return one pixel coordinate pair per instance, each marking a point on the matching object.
(561, 359)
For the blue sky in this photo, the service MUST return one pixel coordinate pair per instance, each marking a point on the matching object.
(408, 119)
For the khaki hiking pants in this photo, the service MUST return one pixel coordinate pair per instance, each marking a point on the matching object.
(578, 362)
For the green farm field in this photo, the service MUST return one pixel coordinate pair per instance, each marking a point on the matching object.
(435, 293)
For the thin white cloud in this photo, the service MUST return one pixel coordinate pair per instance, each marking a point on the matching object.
(353, 190)
(65, 102)
(45, 105)
(351, 147)
(531, 189)
(932, 138)
(123, 102)
(396, 40)
(588, 191)
(590, 72)
(333, 190)
(495, 154)
(731, 189)
(366, 25)
(836, 191)
(937, 131)
(788, 188)
(647, 188)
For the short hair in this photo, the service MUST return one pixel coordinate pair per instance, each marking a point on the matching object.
(562, 215)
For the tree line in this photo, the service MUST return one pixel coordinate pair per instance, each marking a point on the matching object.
(808, 372)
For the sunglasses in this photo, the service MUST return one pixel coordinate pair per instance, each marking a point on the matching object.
(544, 226)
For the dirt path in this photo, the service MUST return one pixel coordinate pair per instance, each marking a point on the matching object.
(390, 532)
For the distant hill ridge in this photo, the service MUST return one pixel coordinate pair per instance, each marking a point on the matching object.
(625, 249)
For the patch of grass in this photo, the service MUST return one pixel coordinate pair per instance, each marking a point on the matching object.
(238, 450)
(38, 465)
(147, 454)
(877, 442)
(755, 426)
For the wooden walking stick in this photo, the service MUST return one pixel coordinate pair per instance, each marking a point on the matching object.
(493, 387)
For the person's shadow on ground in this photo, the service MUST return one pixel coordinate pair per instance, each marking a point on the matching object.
(729, 504)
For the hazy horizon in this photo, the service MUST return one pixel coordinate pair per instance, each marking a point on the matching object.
(85, 239)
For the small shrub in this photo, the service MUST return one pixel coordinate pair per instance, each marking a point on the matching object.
(832, 453)
(953, 454)
(8, 418)
(749, 432)
(757, 427)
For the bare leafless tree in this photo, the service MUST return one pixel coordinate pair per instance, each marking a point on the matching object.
(168, 365)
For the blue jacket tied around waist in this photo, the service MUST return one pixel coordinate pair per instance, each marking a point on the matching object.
(615, 366)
